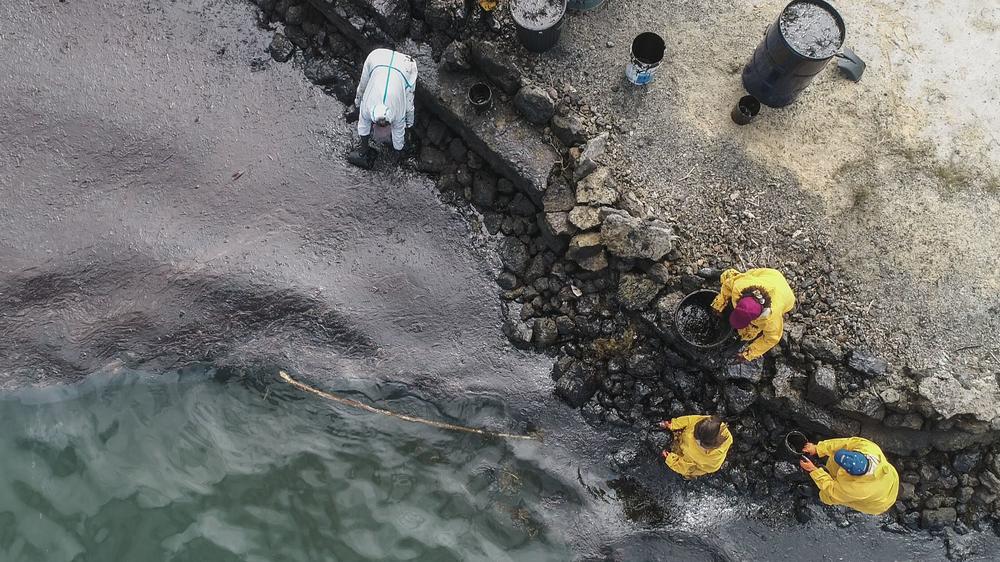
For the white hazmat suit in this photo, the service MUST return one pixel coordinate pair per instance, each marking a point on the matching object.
(386, 91)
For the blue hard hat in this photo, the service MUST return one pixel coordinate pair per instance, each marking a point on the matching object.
(853, 462)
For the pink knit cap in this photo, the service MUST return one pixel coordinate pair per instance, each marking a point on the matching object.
(747, 310)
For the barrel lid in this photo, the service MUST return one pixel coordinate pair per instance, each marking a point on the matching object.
(537, 15)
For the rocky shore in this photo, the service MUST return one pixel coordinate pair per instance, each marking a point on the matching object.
(591, 279)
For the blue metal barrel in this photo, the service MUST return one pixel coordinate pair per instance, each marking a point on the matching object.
(778, 73)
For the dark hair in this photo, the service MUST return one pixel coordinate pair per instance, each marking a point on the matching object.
(758, 293)
(708, 432)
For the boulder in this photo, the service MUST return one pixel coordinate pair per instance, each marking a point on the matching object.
(513, 254)
(866, 363)
(965, 461)
(751, 372)
(484, 188)
(445, 15)
(577, 385)
(569, 128)
(432, 160)
(558, 197)
(494, 63)
(597, 189)
(739, 397)
(557, 224)
(593, 153)
(637, 290)
(456, 57)
(545, 332)
(586, 250)
(281, 48)
(516, 330)
(786, 395)
(629, 237)
(951, 394)
(535, 104)
(822, 387)
(522, 206)
(864, 405)
(584, 217)
(822, 349)
(507, 280)
(937, 518)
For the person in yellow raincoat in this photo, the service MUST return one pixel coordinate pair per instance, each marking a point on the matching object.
(759, 299)
(700, 445)
(857, 474)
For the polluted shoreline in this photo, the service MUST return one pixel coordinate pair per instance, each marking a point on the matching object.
(595, 286)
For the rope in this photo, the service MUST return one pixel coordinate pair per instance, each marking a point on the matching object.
(440, 425)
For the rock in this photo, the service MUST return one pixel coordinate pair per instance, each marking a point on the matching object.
(865, 363)
(937, 518)
(990, 481)
(513, 254)
(597, 189)
(584, 245)
(294, 15)
(514, 328)
(585, 217)
(445, 15)
(786, 394)
(437, 132)
(964, 462)
(545, 332)
(522, 206)
(739, 397)
(281, 48)
(569, 128)
(629, 237)
(484, 188)
(751, 372)
(864, 405)
(624, 459)
(558, 197)
(494, 63)
(557, 224)
(456, 57)
(432, 160)
(822, 387)
(912, 420)
(595, 262)
(507, 280)
(325, 71)
(952, 394)
(907, 491)
(658, 441)
(535, 104)
(457, 151)
(822, 349)
(589, 159)
(637, 290)
(577, 385)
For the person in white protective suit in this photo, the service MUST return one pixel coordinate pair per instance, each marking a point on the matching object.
(385, 99)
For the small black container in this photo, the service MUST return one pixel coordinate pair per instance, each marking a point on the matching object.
(697, 324)
(745, 110)
(481, 97)
(538, 22)
(778, 73)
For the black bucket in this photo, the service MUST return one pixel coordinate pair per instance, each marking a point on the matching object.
(481, 97)
(796, 48)
(794, 441)
(745, 110)
(538, 22)
(697, 324)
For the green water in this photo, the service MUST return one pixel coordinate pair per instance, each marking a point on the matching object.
(184, 467)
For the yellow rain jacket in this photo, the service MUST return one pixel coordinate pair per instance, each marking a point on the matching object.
(872, 493)
(771, 282)
(689, 459)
